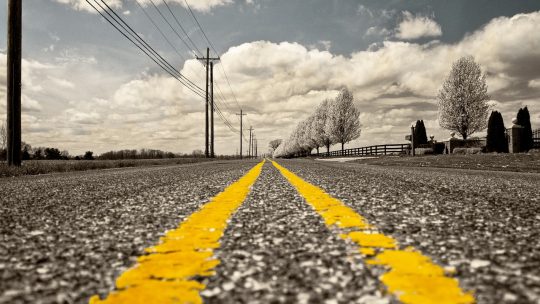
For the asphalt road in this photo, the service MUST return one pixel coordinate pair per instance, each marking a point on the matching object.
(66, 237)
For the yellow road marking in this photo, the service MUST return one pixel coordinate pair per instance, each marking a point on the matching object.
(165, 274)
(411, 276)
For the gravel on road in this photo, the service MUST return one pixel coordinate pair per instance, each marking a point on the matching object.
(66, 237)
(277, 249)
(482, 225)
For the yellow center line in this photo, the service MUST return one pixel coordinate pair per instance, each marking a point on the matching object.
(166, 274)
(411, 276)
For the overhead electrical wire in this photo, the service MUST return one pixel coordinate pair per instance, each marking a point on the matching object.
(215, 51)
(172, 28)
(165, 37)
(159, 30)
(134, 38)
(127, 31)
(217, 100)
(148, 47)
(181, 27)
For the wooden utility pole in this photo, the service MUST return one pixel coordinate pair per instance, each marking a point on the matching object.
(256, 146)
(412, 141)
(250, 141)
(14, 46)
(206, 62)
(212, 155)
(241, 131)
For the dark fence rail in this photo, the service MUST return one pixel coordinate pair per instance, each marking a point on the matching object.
(370, 150)
(536, 138)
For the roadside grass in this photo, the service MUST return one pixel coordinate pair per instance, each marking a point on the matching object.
(34, 167)
(520, 162)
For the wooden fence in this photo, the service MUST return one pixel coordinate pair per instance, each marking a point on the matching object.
(536, 138)
(370, 150)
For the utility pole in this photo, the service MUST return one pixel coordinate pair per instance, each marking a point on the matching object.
(14, 47)
(253, 146)
(241, 131)
(212, 155)
(250, 141)
(206, 62)
(412, 141)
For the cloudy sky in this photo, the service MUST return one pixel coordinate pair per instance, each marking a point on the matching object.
(85, 87)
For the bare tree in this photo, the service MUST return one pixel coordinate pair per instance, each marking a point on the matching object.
(343, 124)
(463, 98)
(318, 126)
(274, 144)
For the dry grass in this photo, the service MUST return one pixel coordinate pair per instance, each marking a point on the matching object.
(521, 162)
(34, 167)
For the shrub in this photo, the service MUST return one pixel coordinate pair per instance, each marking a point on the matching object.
(496, 134)
(467, 151)
(423, 151)
(524, 120)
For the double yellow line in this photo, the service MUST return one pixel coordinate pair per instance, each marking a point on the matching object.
(411, 277)
(166, 273)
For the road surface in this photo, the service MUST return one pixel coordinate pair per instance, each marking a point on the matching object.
(297, 231)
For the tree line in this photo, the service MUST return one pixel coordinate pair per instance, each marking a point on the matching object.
(334, 121)
(463, 109)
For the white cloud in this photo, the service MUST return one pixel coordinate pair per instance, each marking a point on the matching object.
(82, 5)
(277, 84)
(364, 11)
(414, 27)
(63, 83)
(378, 31)
(199, 5)
(534, 83)
(84, 118)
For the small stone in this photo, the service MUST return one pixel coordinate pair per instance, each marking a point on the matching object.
(228, 286)
(36, 233)
(509, 297)
(479, 263)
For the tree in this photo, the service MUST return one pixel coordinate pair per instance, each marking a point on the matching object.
(496, 135)
(306, 142)
(25, 150)
(420, 135)
(52, 153)
(524, 120)
(38, 153)
(318, 124)
(274, 144)
(88, 155)
(463, 98)
(197, 153)
(342, 124)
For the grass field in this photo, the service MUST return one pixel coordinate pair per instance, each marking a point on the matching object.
(521, 162)
(33, 167)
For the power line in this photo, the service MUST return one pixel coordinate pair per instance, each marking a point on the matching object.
(170, 25)
(159, 30)
(199, 25)
(140, 43)
(181, 27)
(127, 31)
(215, 51)
(225, 120)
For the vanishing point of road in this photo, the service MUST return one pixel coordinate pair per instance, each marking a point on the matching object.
(291, 231)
